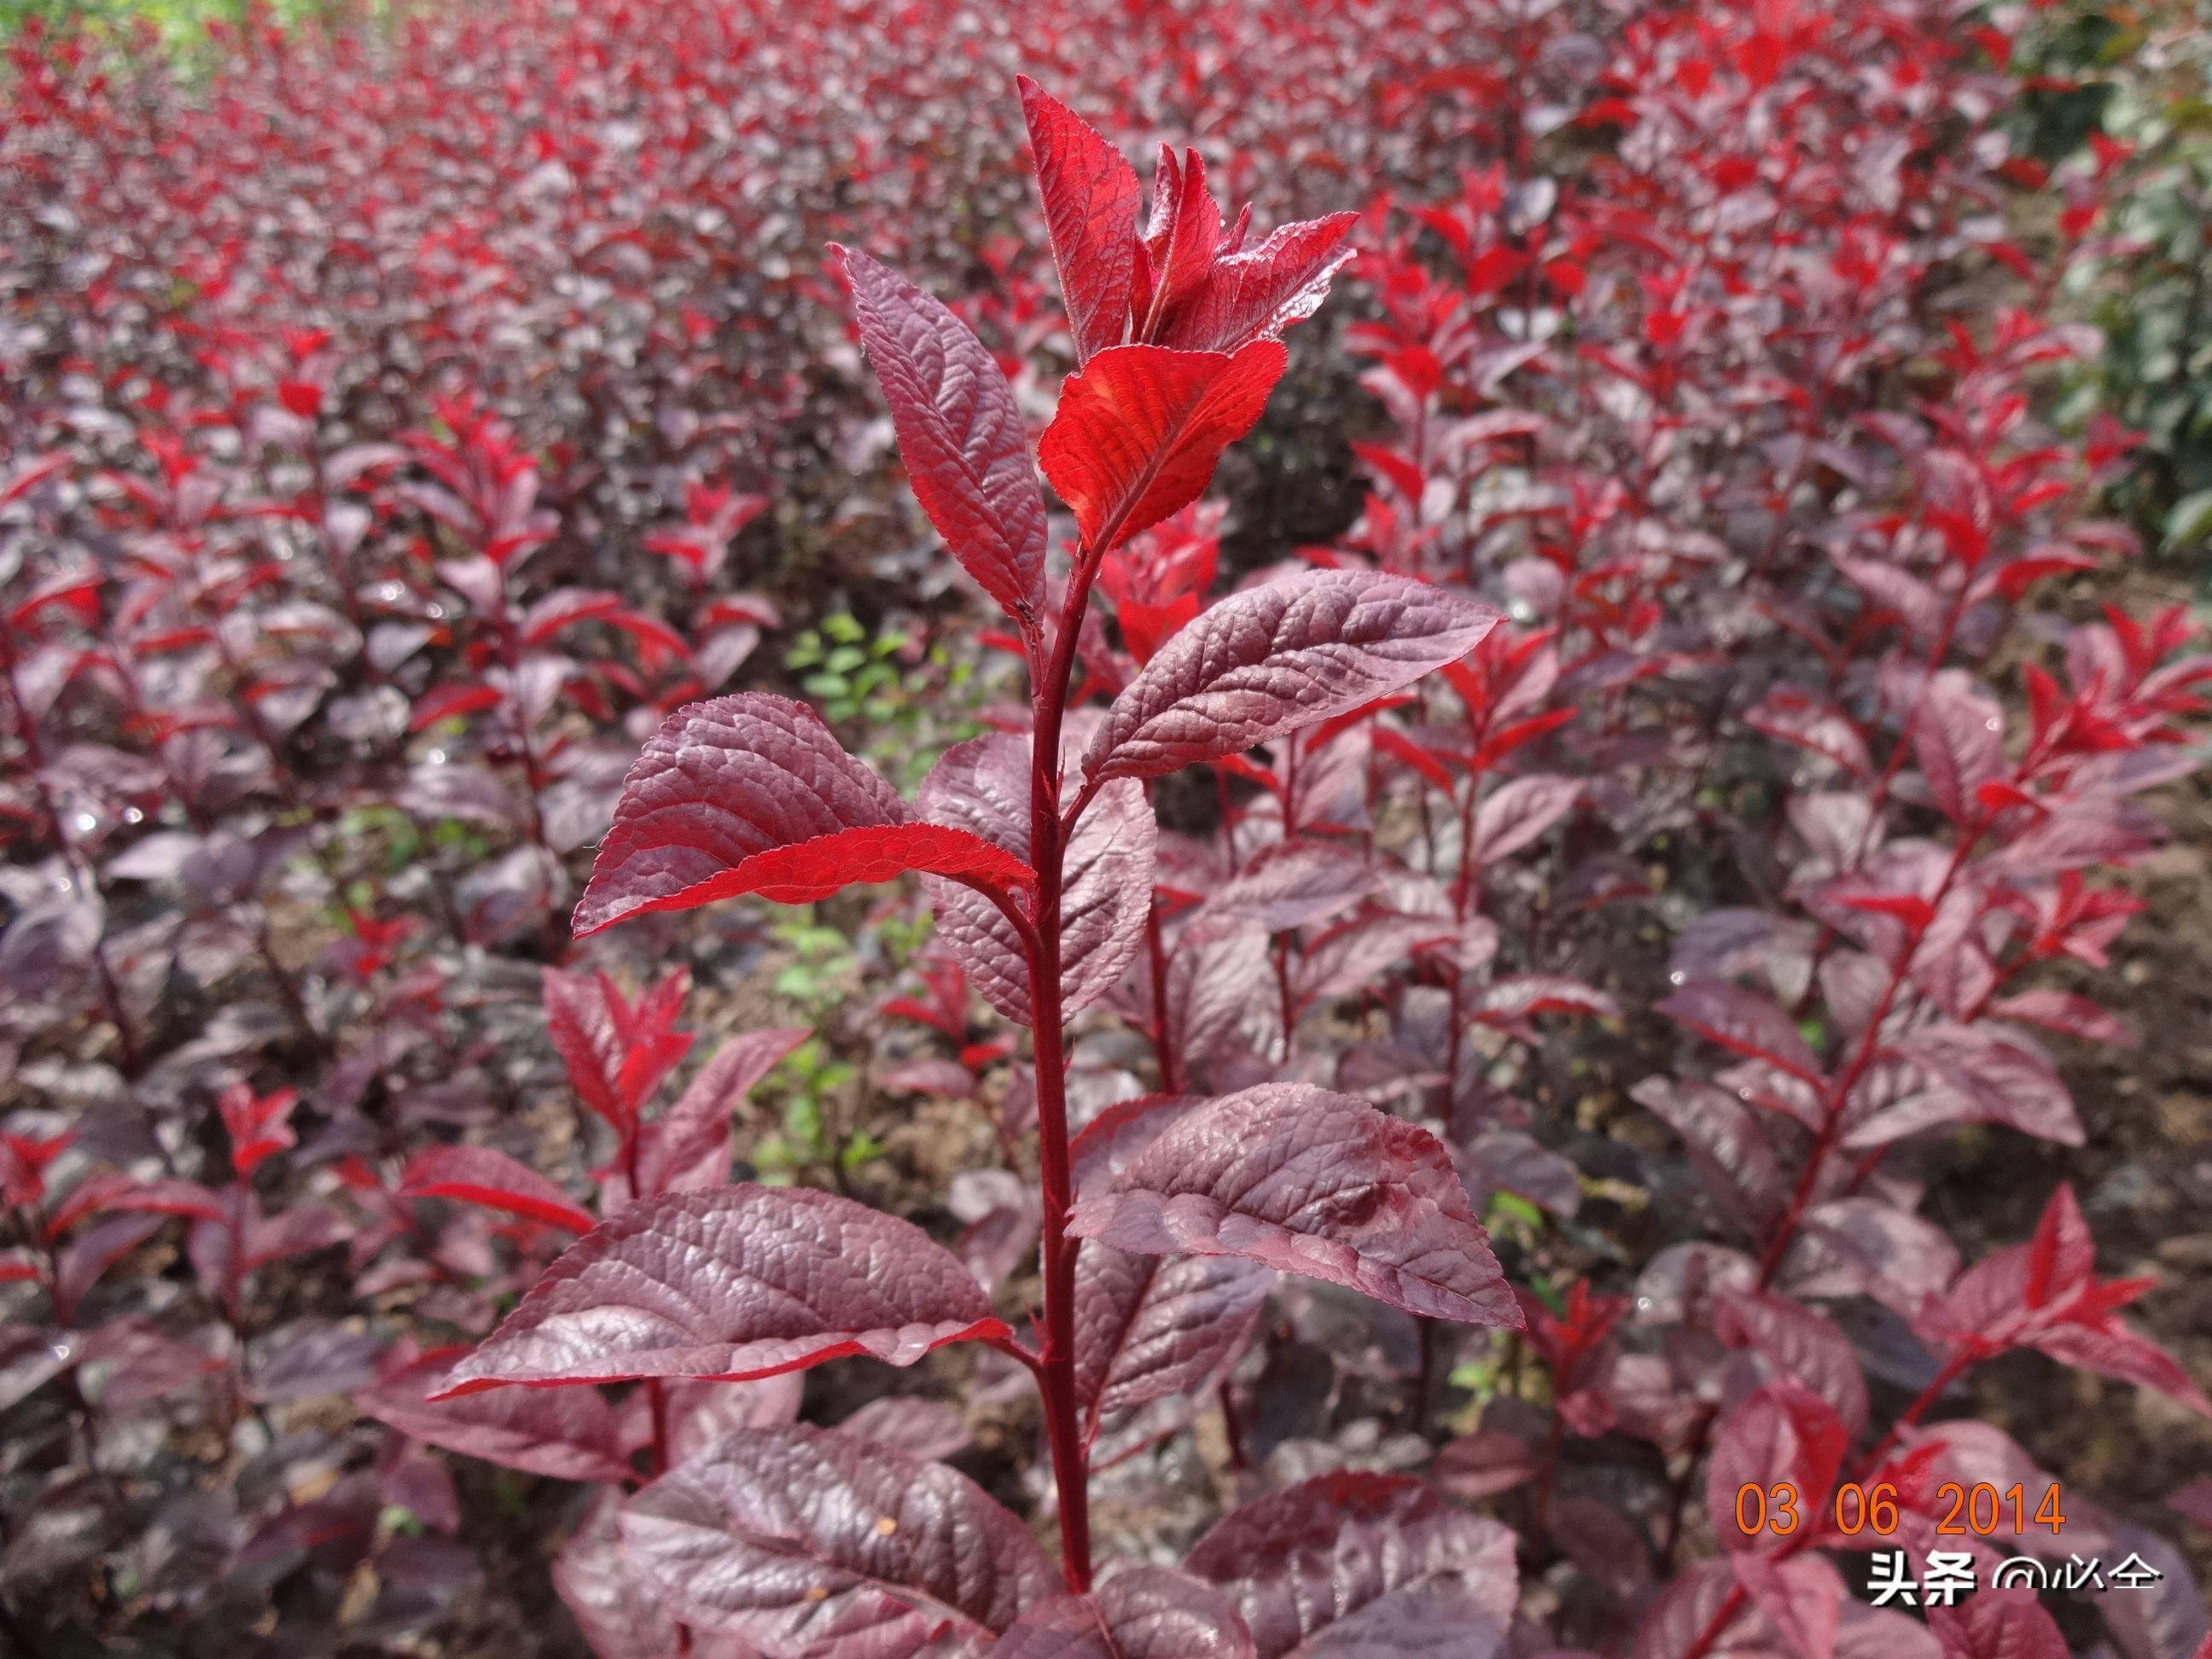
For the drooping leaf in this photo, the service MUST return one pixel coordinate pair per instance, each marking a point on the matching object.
(740, 1282)
(804, 1541)
(959, 432)
(752, 793)
(1091, 194)
(1516, 812)
(1743, 1020)
(478, 1175)
(570, 1434)
(1273, 659)
(1307, 1181)
(1727, 1143)
(1304, 1561)
(1798, 1342)
(1983, 1074)
(1137, 433)
(1154, 1326)
(1106, 876)
(1144, 1612)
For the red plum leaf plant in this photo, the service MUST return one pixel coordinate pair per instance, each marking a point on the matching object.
(1162, 1225)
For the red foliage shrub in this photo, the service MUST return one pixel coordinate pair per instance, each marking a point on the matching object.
(1698, 653)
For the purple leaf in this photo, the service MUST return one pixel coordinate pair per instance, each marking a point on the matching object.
(923, 1428)
(1783, 1433)
(1270, 660)
(1804, 1597)
(1957, 735)
(1795, 1341)
(1794, 715)
(1294, 883)
(1993, 1624)
(1708, 1611)
(478, 1175)
(1742, 1020)
(1106, 883)
(1727, 1143)
(742, 1282)
(621, 1616)
(1214, 982)
(796, 1538)
(1517, 813)
(1305, 1560)
(701, 1414)
(1156, 1325)
(752, 794)
(1505, 1160)
(960, 433)
(1987, 1074)
(1090, 193)
(570, 1434)
(1307, 1181)
(1144, 1612)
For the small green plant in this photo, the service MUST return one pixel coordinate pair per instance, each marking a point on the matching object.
(911, 700)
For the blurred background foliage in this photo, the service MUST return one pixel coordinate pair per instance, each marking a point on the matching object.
(2121, 90)
(2132, 86)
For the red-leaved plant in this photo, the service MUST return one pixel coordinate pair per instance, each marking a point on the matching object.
(1163, 1221)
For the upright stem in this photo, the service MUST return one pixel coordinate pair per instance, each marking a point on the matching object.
(1163, 1054)
(1047, 845)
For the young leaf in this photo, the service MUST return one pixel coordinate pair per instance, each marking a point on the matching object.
(478, 1175)
(1261, 291)
(959, 432)
(1137, 433)
(741, 1282)
(1304, 1561)
(1270, 660)
(570, 1434)
(687, 1148)
(1090, 193)
(1307, 1181)
(1106, 876)
(752, 794)
(1145, 1612)
(797, 1539)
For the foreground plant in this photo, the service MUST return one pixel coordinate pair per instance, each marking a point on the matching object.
(1162, 1222)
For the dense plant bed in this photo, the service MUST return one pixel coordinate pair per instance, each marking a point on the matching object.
(1454, 1080)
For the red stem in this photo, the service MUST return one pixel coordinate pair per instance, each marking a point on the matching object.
(1055, 1367)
